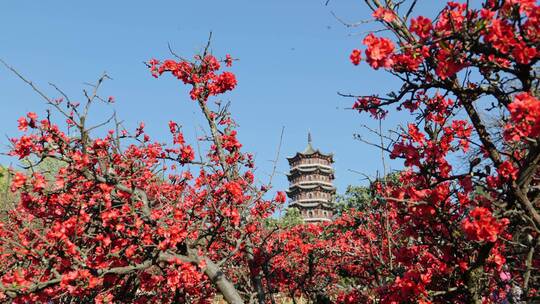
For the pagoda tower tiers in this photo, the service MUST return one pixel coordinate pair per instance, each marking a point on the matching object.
(311, 188)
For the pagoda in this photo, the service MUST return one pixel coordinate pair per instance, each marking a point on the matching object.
(311, 188)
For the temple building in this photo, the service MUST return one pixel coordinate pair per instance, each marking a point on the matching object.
(311, 190)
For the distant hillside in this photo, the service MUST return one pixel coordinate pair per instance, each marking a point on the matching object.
(4, 187)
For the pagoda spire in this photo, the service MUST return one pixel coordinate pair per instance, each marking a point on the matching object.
(309, 149)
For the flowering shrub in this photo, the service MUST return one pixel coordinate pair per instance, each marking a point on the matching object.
(461, 222)
(467, 232)
(109, 228)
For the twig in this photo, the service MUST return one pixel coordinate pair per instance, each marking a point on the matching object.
(347, 24)
(277, 157)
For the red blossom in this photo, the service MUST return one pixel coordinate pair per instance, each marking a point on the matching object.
(384, 14)
(280, 197)
(482, 226)
(187, 154)
(356, 56)
(230, 142)
(228, 60)
(23, 124)
(379, 51)
(421, 26)
(525, 117)
(173, 126)
(507, 170)
(18, 182)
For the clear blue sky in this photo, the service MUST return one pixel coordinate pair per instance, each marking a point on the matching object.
(293, 59)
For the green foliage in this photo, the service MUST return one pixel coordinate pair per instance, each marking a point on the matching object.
(355, 197)
(292, 217)
(360, 197)
(3, 178)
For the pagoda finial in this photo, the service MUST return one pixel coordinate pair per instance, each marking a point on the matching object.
(309, 149)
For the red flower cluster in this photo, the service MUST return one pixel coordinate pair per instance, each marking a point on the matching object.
(502, 37)
(369, 104)
(25, 123)
(379, 51)
(507, 171)
(421, 26)
(356, 56)
(230, 142)
(482, 226)
(228, 60)
(525, 118)
(384, 14)
(201, 74)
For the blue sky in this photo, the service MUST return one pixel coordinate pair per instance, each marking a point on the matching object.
(293, 59)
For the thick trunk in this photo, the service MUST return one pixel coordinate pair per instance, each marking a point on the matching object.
(218, 278)
(473, 276)
(473, 285)
(225, 287)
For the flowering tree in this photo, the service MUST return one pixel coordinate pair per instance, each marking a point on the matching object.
(468, 231)
(127, 219)
(460, 224)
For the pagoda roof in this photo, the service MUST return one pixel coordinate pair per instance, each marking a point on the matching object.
(309, 151)
(310, 169)
(316, 219)
(318, 186)
(313, 203)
